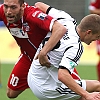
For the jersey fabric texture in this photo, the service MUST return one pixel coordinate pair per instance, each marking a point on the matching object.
(28, 33)
(67, 52)
(96, 5)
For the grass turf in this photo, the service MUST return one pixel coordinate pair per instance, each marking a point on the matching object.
(5, 72)
(85, 71)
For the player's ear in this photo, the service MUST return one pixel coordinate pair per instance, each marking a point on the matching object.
(23, 6)
(89, 31)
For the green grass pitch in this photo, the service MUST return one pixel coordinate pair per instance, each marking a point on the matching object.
(85, 72)
(5, 72)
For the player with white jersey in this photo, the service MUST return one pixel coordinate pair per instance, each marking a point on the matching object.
(53, 83)
(65, 46)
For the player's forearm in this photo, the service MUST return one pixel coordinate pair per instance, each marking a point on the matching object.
(42, 6)
(58, 31)
(65, 77)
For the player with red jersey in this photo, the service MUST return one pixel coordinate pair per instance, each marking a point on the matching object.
(28, 25)
(94, 8)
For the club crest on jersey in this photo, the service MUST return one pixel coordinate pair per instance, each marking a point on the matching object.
(42, 16)
(26, 27)
(72, 64)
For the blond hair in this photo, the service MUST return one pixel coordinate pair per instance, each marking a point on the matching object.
(90, 22)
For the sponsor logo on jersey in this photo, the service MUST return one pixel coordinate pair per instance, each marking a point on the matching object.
(18, 33)
(42, 16)
(72, 64)
(34, 14)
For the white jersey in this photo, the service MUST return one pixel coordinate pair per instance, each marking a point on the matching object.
(66, 53)
(68, 50)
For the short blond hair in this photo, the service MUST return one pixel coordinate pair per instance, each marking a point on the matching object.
(90, 22)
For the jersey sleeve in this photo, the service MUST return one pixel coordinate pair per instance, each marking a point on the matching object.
(55, 13)
(71, 57)
(41, 19)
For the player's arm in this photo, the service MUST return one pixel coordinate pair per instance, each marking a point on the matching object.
(48, 10)
(65, 77)
(58, 31)
(42, 6)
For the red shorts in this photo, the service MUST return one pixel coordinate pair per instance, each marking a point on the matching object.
(98, 47)
(18, 77)
(75, 75)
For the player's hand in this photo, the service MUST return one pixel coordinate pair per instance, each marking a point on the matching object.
(93, 96)
(43, 59)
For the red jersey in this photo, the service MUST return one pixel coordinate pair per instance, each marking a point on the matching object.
(95, 4)
(30, 30)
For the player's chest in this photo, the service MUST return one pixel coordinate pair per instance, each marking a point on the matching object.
(19, 30)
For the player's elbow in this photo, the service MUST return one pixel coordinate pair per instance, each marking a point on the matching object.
(64, 30)
(59, 28)
(11, 93)
(10, 96)
(63, 74)
(60, 75)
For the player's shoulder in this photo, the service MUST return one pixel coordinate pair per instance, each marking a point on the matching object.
(1, 7)
(1, 10)
(31, 10)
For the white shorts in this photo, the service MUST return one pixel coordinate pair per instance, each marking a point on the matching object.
(49, 89)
